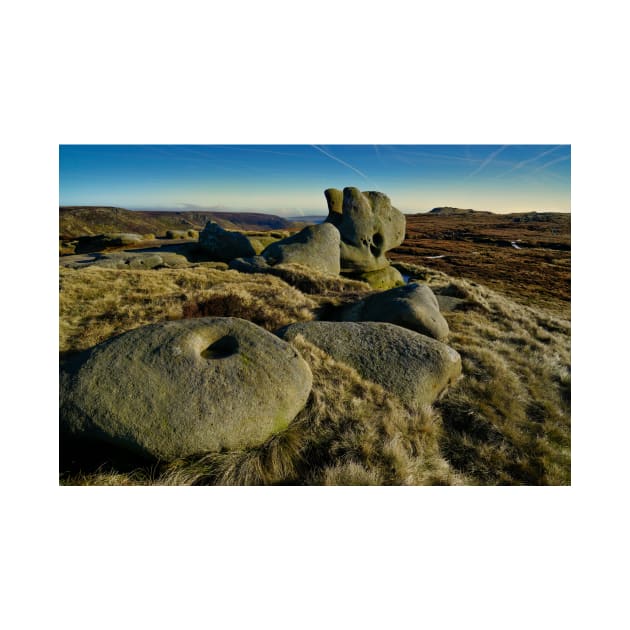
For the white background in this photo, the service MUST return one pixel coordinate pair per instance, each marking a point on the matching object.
(327, 72)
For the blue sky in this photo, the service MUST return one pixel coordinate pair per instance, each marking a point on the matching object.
(290, 179)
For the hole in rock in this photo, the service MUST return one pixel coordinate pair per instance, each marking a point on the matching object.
(377, 245)
(222, 348)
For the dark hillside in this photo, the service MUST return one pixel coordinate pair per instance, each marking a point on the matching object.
(75, 221)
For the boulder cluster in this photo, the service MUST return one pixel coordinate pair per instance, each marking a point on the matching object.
(360, 228)
(182, 388)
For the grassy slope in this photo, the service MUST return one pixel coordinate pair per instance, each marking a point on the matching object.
(506, 422)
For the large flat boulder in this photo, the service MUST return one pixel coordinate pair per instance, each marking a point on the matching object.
(184, 387)
(410, 366)
(369, 227)
(412, 306)
(316, 246)
(223, 245)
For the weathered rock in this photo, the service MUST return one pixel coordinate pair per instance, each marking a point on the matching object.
(253, 264)
(184, 387)
(261, 241)
(316, 246)
(412, 306)
(411, 366)
(381, 279)
(127, 260)
(369, 227)
(224, 245)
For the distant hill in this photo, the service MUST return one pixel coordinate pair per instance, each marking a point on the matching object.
(75, 221)
(309, 218)
(449, 212)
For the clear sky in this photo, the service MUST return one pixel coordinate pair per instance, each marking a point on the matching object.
(290, 179)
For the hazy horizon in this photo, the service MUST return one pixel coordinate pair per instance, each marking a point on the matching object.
(289, 180)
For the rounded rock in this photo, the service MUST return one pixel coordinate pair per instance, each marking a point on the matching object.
(185, 387)
(410, 366)
(412, 306)
(316, 246)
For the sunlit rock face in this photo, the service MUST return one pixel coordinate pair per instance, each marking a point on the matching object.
(369, 226)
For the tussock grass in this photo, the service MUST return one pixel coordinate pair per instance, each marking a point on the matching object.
(315, 282)
(507, 421)
(270, 306)
(96, 304)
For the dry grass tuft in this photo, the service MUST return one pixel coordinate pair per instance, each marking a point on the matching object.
(96, 304)
(311, 281)
(266, 304)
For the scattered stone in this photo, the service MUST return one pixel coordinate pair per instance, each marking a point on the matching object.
(86, 244)
(122, 239)
(224, 245)
(184, 387)
(316, 246)
(411, 366)
(369, 227)
(253, 264)
(412, 306)
(126, 260)
(381, 279)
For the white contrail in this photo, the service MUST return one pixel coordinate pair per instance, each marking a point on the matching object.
(537, 157)
(488, 160)
(544, 166)
(533, 159)
(332, 157)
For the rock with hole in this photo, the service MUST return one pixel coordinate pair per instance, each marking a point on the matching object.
(184, 387)
(369, 227)
(413, 367)
(412, 306)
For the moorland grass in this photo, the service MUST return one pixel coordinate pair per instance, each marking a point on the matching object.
(506, 421)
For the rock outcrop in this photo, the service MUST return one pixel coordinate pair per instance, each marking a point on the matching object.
(224, 245)
(369, 227)
(411, 366)
(316, 246)
(412, 306)
(184, 387)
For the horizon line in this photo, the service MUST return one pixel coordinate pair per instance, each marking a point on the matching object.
(283, 212)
